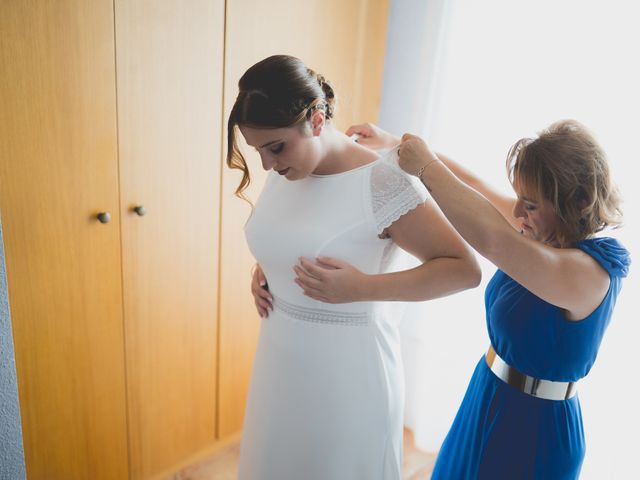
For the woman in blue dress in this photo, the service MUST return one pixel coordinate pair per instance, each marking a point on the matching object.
(547, 307)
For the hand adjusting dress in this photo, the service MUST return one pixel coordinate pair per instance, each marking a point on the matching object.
(327, 391)
(502, 433)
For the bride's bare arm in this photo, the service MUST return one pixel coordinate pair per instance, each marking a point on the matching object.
(448, 265)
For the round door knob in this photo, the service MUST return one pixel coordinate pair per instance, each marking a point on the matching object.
(104, 217)
(140, 210)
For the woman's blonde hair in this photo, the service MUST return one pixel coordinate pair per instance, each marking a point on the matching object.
(566, 166)
(277, 92)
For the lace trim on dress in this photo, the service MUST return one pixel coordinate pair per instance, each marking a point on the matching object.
(320, 315)
(392, 194)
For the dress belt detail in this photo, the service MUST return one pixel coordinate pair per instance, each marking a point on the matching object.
(321, 315)
(535, 387)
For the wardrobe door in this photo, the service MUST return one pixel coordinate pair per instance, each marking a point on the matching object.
(169, 76)
(345, 42)
(58, 170)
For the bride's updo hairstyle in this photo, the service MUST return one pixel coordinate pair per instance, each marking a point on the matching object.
(277, 92)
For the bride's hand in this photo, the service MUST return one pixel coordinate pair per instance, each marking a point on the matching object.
(372, 136)
(260, 292)
(330, 280)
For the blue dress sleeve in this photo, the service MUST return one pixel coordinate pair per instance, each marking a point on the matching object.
(609, 253)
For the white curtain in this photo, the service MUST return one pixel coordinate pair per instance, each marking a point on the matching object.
(472, 78)
(436, 377)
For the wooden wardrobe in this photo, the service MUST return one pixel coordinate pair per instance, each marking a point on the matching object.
(128, 274)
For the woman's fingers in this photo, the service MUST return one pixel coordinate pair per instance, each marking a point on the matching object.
(255, 278)
(305, 279)
(331, 262)
(407, 136)
(262, 280)
(313, 269)
(263, 301)
(262, 297)
(363, 129)
(313, 293)
(262, 293)
(262, 311)
(317, 297)
(264, 306)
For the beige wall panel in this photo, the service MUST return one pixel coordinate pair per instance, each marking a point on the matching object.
(343, 40)
(58, 169)
(372, 61)
(169, 68)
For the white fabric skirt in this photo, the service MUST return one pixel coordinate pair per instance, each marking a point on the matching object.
(325, 402)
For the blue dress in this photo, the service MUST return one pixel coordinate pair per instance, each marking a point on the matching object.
(502, 433)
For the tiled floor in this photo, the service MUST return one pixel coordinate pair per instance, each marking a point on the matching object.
(224, 464)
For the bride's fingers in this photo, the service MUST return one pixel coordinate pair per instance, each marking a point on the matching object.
(331, 262)
(316, 296)
(313, 269)
(262, 311)
(305, 279)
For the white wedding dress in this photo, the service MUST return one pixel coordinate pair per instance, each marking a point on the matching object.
(327, 391)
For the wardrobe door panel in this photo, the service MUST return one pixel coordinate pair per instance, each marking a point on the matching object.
(58, 170)
(169, 76)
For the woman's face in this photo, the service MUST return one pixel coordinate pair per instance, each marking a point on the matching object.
(539, 219)
(294, 152)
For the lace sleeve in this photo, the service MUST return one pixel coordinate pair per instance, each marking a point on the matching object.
(393, 193)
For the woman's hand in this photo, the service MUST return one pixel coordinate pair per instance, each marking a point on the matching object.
(260, 292)
(415, 155)
(330, 280)
(372, 136)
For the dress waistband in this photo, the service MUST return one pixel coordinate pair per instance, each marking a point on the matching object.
(321, 315)
(535, 387)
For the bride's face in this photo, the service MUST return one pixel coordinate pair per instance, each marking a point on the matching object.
(294, 152)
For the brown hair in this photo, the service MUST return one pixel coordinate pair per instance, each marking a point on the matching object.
(566, 166)
(277, 92)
